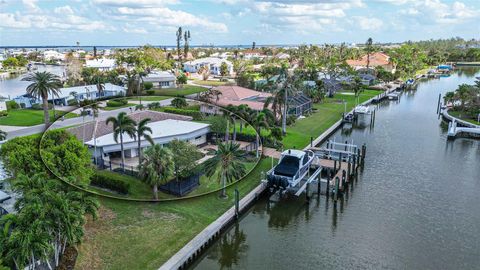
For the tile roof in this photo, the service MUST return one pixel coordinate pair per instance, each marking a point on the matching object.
(236, 95)
(376, 59)
(101, 128)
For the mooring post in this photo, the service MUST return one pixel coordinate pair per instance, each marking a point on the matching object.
(346, 144)
(327, 191)
(438, 103)
(311, 141)
(237, 203)
(334, 165)
(340, 162)
(344, 177)
(319, 184)
(337, 186)
(328, 144)
(306, 193)
(358, 156)
(364, 149)
(349, 169)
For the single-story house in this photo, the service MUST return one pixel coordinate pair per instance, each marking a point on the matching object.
(103, 64)
(212, 63)
(161, 79)
(377, 59)
(283, 56)
(235, 95)
(53, 55)
(81, 93)
(252, 54)
(165, 128)
(367, 79)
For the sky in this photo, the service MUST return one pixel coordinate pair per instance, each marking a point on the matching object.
(233, 22)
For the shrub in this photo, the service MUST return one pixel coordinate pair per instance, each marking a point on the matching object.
(3, 113)
(11, 104)
(150, 92)
(195, 114)
(154, 105)
(112, 181)
(147, 85)
(72, 102)
(117, 102)
(291, 120)
(179, 103)
(38, 106)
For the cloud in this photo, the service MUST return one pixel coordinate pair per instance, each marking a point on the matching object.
(165, 17)
(135, 3)
(368, 23)
(129, 28)
(63, 10)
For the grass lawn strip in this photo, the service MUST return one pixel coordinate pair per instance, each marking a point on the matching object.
(30, 117)
(184, 91)
(118, 107)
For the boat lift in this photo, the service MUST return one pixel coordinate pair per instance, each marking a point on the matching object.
(334, 165)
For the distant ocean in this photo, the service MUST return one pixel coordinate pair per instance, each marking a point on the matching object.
(90, 47)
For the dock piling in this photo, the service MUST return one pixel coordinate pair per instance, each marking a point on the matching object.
(438, 103)
(237, 203)
(337, 186)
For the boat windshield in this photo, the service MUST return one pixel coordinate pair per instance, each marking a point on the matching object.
(288, 166)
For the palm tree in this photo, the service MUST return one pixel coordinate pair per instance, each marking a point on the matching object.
(43, 84)
(157, 167)
(141, 131)
(3, 135)
(226, 164)
(122, 124)
(259, 121)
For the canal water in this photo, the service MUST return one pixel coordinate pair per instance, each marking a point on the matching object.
(13, 85)
(416, 205)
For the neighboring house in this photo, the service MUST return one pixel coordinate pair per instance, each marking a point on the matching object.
(50, 55)
(165, 128)
(161, 79)
(367, 79)
(3, 104)
(103, 64)
(83, 92)
(378, 59)
(283, 56)
(299, 104)
(252, 54)
(212, 63)
(332, 86)
(235, 95)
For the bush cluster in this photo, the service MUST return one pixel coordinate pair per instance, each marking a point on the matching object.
(150, 92)
(3, 113)
(38, 106)
(112, 181)
(11, 104)
(195, 114)
(117, 102)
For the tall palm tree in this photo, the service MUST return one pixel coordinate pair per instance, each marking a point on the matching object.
(260, 121)
(157, 167)
(141, 131)
(43, 84)
(3, 135)
(226, 164)
(122, 124)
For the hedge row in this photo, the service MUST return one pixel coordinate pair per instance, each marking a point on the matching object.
(117, 102)
(195, 114)
(112, 181)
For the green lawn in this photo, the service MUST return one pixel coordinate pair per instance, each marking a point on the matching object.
(211, 83)
(185, 90)
(118, 107)
(329, 112)
(145, 235)
(463, 116)
(149, 98)
(30, 117)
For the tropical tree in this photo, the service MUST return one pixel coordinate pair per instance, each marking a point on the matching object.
(3, 135)
(43, 84)
(157, 167)
(185, 156)
(181, 79)
(369, 50)
(226, 164)
(224, 69)
(179, 102)
(122, 124)
(142, 130)
(259, 121)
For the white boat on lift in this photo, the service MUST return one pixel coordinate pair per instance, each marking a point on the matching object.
(292, 167)
(362, 109)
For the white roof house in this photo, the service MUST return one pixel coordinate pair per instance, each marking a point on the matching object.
(163, 132)
(101, 64)
(53, 55)
(162, 79)
(213, 64)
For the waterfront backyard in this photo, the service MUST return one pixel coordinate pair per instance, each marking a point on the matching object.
(143, 236)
